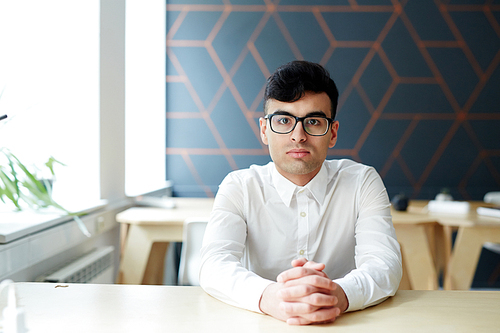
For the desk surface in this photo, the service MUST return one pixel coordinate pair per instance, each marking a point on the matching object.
(184, 208)
(417, 213)
(132, 308)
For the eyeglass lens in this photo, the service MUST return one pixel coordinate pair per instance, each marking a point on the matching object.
(312, 125)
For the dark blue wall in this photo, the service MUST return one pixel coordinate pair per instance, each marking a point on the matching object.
(419, 85)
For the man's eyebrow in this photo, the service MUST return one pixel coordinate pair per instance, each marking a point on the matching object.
(316, 114)
(283, 113)
(310, 114)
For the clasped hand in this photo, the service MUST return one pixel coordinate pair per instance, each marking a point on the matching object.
(304, 295)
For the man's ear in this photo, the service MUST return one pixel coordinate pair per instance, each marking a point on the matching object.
(333, 130)
(263, 128)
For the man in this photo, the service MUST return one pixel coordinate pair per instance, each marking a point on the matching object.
(278, 234)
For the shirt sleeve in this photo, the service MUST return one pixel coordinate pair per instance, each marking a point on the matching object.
(378, 262)
(222, 273)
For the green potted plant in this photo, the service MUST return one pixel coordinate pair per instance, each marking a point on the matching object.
(25, 189)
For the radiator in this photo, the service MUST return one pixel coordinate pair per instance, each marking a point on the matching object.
(93, 267)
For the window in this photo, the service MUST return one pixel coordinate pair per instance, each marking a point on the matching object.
(53, 93)
(49, 75)
(145, 93)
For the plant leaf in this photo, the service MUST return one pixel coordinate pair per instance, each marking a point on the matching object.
(50, 164)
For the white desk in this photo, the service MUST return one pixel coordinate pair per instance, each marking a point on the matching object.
(135, 308)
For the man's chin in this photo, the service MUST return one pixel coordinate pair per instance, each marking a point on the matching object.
(299, 167)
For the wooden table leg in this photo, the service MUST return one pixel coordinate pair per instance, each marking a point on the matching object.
(135, 255)
(123, 236)
(137, 250)
(466, 253)
(419, 263)
(155, 266)
(447, 246)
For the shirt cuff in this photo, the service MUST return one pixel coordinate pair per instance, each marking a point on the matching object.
(257, 292)
(352, 291)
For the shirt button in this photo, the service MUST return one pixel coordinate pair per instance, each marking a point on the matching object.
(303, 214)
(301, 252)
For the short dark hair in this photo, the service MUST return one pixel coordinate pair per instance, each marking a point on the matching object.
(291, 81)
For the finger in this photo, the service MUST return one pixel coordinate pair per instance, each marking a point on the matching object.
(314, 265)
(302, 290)
(302, 321)
(298, 272)
(299, 262)
(303, 262)
(293, 309)
(318, 298)
(295, 321)
(316, 281)
(324, 315)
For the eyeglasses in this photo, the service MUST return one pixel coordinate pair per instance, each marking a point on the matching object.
(285, 123)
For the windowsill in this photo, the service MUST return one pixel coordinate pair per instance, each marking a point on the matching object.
(15, 225)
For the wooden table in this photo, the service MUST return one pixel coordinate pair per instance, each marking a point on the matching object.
(134, 308)
(146, 234)
(473, 231)
(423, 247)
(425, 239)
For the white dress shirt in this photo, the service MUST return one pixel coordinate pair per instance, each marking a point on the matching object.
(261, 221)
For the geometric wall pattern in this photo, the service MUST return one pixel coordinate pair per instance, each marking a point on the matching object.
(419, 84)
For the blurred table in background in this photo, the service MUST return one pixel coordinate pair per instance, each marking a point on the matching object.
(425, 238)
(426, 244)
(146, 233)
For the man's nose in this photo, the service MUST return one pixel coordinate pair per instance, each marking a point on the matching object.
(298, 133)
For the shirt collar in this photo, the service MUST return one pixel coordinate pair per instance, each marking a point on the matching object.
(286, 189)
(317, 186)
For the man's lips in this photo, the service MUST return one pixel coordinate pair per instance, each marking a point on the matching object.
(298, 153)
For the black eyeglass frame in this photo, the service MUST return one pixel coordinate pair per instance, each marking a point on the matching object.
(297, 119)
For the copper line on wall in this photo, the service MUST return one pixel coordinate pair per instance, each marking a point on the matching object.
(482, 83)
(421, 116)
(195, 174)
(470, 172)
(176, 78)
(388, 65)
(376, 114)
(253, 49)
(406, 170)
(336, 8)
(436, 156)
(469, 8)
(397, 150)
(461, 42)
(258, 99)
(432, 66)
(187, 82)
(366, 100)
(215, 151)
(184, 115)
(417, 80)
(217, 8)
(288, 37)
(367, 59)
(494, 24)
(177, 23)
